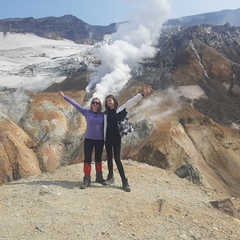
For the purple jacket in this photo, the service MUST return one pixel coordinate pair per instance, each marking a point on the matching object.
(94, 129)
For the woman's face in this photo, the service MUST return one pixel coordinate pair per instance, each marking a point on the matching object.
(95, 105)
(110, 103)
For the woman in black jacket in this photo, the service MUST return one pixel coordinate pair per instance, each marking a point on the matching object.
(113, 131)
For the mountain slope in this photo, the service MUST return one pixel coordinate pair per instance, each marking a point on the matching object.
(214, 18)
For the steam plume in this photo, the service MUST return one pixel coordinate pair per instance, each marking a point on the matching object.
(132, 42)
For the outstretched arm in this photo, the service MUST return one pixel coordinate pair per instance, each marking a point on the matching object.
(133, 101)
(80, 108)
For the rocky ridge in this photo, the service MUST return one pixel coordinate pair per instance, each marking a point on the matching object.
(65, 27)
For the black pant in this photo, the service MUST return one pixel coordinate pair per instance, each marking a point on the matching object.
(89, 144)
(113, 146)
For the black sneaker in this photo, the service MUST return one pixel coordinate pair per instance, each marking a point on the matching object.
(126, 186)
(110, 179)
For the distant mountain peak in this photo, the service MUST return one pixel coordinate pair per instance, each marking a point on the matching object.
(214, 18)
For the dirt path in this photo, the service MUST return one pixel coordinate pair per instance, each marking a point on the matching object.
(160, 206)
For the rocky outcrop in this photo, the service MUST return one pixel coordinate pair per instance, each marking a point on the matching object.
(169, 134)
(57, 126)
(17, 156)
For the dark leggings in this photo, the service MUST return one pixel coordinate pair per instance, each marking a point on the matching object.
(114, 147)
(89, 144)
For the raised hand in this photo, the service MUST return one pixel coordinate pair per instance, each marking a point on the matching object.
(61, 93)
(147, 90)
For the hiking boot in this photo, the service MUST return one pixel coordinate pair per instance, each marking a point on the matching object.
(86, 182)
(99, 179)
(110, 179)
(125, 185)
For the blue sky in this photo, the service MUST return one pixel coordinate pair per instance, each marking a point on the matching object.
(103, 12)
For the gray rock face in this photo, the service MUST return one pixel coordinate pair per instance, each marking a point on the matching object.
(205, 55)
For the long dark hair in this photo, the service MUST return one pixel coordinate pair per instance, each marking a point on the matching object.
(115, 103)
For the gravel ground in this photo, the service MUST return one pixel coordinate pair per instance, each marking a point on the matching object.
(160, 206)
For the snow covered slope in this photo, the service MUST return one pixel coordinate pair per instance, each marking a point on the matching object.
(33, 63)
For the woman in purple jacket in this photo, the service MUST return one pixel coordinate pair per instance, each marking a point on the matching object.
(93, 139)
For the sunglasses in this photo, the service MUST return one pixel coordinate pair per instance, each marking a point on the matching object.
(97, 103)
